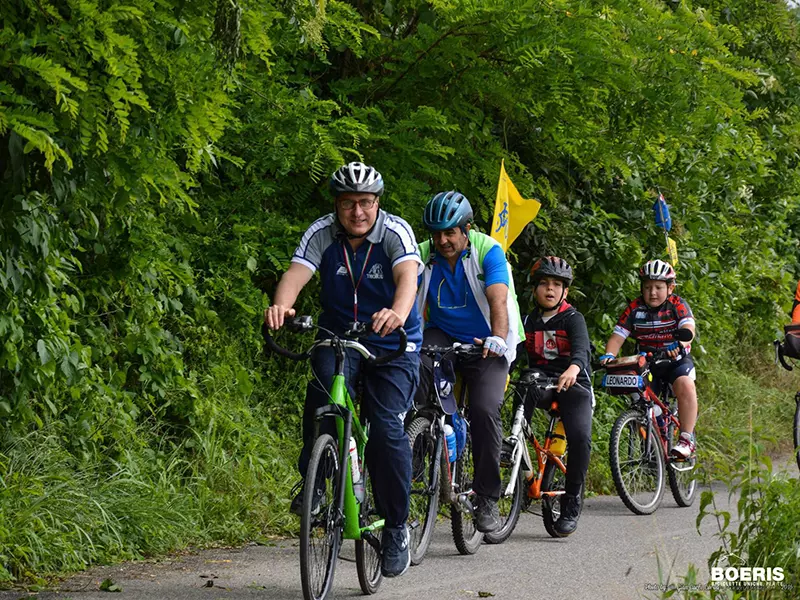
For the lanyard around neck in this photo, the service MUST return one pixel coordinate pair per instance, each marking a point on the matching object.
(355, 283)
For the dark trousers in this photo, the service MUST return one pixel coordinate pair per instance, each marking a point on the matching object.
(485, 379)
(575, 408)
(387, 393)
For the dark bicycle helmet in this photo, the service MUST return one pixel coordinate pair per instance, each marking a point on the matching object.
(447, 210)
(551, 266)
(657, 270)
(356, 177)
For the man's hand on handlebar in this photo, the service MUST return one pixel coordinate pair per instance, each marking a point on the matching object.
(275, 315)
(385, 321)
(493, 345)
(568, 378)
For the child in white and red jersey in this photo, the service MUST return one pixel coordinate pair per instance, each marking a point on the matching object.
(651, 320)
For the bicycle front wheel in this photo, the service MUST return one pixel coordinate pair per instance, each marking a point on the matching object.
(320, 523)
(368, 559)
(465, 535)
(553, 480)
(509, 505)
(425, 482)
(637, 462)
(682, 483)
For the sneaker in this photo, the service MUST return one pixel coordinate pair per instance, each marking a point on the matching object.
(685, 447)
(570, 511)
(395, 557)
(296, 507)
(487, 515)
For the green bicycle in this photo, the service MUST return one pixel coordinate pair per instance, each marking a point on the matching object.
(337, 505)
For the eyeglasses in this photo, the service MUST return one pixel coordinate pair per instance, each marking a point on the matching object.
(364, 203)
(439, 297)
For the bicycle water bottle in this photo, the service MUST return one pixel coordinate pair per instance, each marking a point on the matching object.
(558, 443)
(450, 436)
(358, 482)
(659, 416)
(460, 429)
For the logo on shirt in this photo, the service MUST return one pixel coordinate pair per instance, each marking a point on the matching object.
(341, 270)
(376, 272)
(550, 344)
(640, 315)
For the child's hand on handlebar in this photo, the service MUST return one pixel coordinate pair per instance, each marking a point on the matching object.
(568, 378)
(674, 349)
(606, 358)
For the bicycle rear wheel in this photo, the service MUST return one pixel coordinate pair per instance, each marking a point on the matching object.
(553, 480)
(368, 559)
(637, 462)
(465, 535)
(682, 483)
(425, 482)
(320, 523)
(510, 505)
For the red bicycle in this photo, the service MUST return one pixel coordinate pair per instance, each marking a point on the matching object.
(644, 435)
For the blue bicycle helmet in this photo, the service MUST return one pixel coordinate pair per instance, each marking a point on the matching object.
(447, 210)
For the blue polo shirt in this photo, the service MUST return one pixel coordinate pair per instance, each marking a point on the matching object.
(324, 247)
(451, 304)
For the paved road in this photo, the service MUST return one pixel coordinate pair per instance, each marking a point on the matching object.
(612, 555)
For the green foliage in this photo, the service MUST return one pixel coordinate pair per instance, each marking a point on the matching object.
(161, 159)
(761, 535)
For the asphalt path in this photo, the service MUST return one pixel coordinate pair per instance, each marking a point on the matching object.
(613, 554)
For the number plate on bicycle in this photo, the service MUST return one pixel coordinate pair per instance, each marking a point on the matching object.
(622, 383)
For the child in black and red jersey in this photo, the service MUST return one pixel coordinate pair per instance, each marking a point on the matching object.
(651, 320)
(557, 343)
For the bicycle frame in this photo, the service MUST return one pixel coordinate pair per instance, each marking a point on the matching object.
(441, 465)
(520, 432)
(669, 418)
(341, 407)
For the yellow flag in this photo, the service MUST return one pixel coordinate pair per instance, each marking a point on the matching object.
(672, 250)
(511, 212)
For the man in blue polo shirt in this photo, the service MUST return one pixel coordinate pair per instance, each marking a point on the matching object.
(368, 263)
(466, 294)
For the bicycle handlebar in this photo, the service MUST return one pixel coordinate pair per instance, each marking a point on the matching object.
(355, 330)
(455, 348)
(532, 377)
(779, 357)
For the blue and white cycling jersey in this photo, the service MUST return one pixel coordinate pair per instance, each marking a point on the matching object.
(324, 247)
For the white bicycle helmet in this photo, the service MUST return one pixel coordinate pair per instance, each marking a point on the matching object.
(358, 178)
(657, 270)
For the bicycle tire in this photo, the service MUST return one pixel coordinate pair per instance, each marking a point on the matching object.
(796, 433)
(425, 483)
(320, 529)
(368, 560)
(510, 507)
(466, 536)
(553, 479)
(629, 430)
(682, 483)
